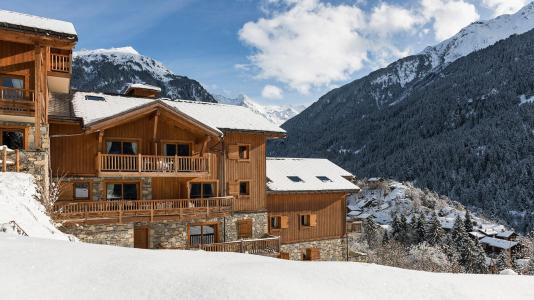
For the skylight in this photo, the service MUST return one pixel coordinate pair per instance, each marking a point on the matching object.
(295, 178)
(94, 98)
(324, 179)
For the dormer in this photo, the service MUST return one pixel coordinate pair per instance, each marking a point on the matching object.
(142, 90)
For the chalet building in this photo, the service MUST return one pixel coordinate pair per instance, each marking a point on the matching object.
(35, 62)
(306, 202)
(136, 170)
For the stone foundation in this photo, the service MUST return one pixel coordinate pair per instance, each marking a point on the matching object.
(330, 250)
(116, 234)
(259, 224)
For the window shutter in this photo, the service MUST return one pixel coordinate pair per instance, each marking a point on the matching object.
(313, 254)
(313, 220)
(284, 222)
(233, 188)
(66, 191)
(284, 255)
(244, 228)
(233, 152)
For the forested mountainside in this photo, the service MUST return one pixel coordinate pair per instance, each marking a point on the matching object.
(110, 70)
(464, 129)
(278, 114)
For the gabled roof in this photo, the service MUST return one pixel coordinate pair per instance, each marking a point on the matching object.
(34, 24)
(219, 117)
(142, 86)
(498, 243)
(505, 234)
(315, 174)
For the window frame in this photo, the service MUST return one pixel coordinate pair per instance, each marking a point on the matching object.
(277, 217)
(215, 184)
(247, 151)
(89, 193)
(247, 182)
(16, 76)
(138, 186)
(175, 142)
(293, 177)
(22, 129)
(122, 140)
(202, 224)
(324, 178)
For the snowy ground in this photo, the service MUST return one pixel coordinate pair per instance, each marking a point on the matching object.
(47, 269)
(18, 203)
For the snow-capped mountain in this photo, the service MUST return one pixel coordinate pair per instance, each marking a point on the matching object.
(278, 114)
(110, 70)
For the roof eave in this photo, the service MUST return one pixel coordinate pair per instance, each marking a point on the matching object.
(39, 31)
(312, 191)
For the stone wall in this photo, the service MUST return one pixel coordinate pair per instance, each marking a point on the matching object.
(116, 234)
(330, 250)
(259, 224)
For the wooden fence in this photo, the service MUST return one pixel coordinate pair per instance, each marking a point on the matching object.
(151, 163)
(269, 245)
(10, 158)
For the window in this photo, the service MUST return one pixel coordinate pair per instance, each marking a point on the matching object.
(12, 87)
(122, 191)
(295, 178)
(244, 228)
(279, 222)
(81, 190)
(94, 98)
(244, 152)
(121, 147)
(308, 220)
(179, 149)
(202, 234)
(324, 179)
(244, 188)
(202, 190)
(12, 138)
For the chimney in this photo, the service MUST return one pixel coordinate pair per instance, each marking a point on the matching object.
(142, 90)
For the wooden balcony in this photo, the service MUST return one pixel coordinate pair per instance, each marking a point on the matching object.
(152, 165)
(59, 63)
(269, 246)
(17, 102)
(123, 211)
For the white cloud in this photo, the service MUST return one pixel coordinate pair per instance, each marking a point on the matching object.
(271, 92)
(389, 19)
(505, 6)
(307, 43)
(449, 16)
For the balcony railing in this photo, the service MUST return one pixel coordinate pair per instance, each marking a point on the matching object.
(121, 211)
(152, 164)
(14, 101)
(60, 63)
(264, 246)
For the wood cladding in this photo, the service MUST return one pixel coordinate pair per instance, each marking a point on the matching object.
(252, 170)
(328, 209)
(18, 59)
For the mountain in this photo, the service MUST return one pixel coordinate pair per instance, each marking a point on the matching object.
(110, 70)
(278, 114)
(452, 119)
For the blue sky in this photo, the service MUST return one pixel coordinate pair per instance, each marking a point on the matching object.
(275, 51)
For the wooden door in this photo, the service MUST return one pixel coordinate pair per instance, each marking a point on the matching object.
(141, 238)
(244, 229)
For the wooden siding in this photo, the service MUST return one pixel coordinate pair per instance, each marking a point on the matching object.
(328, 207)
(18, 59)
(73, 153)
(252, 170)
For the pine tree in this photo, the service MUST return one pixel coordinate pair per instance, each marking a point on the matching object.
(503, 261)
(385, 238)
(468, 222)
(434, 234)
(395, 227)
(471, 255)
(371, 233)
(458, 232)
(419, 229)
(530, 267)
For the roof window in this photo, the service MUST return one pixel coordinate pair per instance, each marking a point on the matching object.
(324, 179)
(94, 98)
(295, 178)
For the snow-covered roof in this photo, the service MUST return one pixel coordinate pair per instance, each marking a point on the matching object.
(218, 117)
(306, 174)
(142, 86)
(498, 243)
(477, 234)
(18, 20)
(505, 234)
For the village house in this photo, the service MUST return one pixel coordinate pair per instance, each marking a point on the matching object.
(135, 170)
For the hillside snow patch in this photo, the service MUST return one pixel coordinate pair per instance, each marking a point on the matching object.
(18, 203)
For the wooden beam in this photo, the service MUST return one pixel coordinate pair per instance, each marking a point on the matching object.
(28, 38)
(155, 133)
(204, 145)
(37, 95)
(100, 138)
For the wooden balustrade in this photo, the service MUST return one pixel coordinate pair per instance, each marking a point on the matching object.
(10, 158)
(14, 101)
(264, 246)
(152, 163)
(60, 63)
(142, 210)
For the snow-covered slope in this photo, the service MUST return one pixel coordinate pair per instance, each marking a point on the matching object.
(278, 114)
(384, 199)
(44, 269)
(111, 70)
(18, 203)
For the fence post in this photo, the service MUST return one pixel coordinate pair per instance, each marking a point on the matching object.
(139, 161)
(151, 211)
(17, 160)
(4, 158)
(241, 247)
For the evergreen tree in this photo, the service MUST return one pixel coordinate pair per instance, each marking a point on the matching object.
(385, 238)
(395, 227)
(403, 235)
(530, 267)
(370, 232)
(434, 234)
(458, 232)
(419, 229)
(471, 255)
(468, 222)
(503, 261)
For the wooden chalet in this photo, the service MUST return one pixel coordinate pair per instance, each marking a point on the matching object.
(306, 201)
